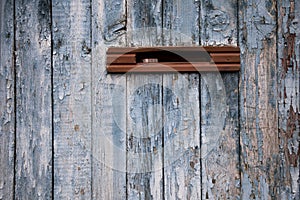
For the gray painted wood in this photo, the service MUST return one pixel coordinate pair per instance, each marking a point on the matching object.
(71, 32)
(219, 141)
(219, 107)
(144, 107)
(93, 111)
(108, 103)
(258, 100)
(144, 137)
(181, 23)
(288, 95)
(7, 100)
(182, 167)
(181, 124)
(33, 170)
(218, 22)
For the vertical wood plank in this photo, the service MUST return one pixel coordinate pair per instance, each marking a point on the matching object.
(144, 107)
(181, 23)
(258, 100)
(219, 107)
(33, 100)
(181, 122)
(288, 95)
(218, 22)
(144, 142)
(72, 99)
(7, 100)
(109, 103)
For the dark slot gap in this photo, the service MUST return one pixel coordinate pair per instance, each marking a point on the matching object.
(167, 56)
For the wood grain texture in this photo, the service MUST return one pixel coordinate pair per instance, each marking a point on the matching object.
(71, 32)
(219, 137)
(258, 100)
(144, 107)
(7, 100)
(181, 124)
(219, 107)
(33, 178)
(182, 168)
(289, 99)
(218, 22)
(108, 103)
(144, 137)
(180, 23)
(149, 136)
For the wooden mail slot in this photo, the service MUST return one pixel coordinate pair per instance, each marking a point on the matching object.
(173, 59)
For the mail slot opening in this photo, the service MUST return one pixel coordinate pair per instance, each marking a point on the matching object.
(167, 59)
(173, 56)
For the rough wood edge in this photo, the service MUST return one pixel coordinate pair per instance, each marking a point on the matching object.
(108, 99)
(33, 170)
(7, 95)
(72, 98)
(220, 139)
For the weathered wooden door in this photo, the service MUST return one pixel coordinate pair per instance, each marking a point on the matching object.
(70, 130)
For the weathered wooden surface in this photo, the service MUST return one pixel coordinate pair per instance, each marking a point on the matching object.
(33, 170)
(144, 137)
(289, 100)
(144, 107)
(109, 104)
(219, 137)
(258, 105)
(181, 137)
(181, 118)
(219, 107)
(171, 136)
(71, 32)
(7, 100)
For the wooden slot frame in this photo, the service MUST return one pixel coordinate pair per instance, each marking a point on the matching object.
(173, 59)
